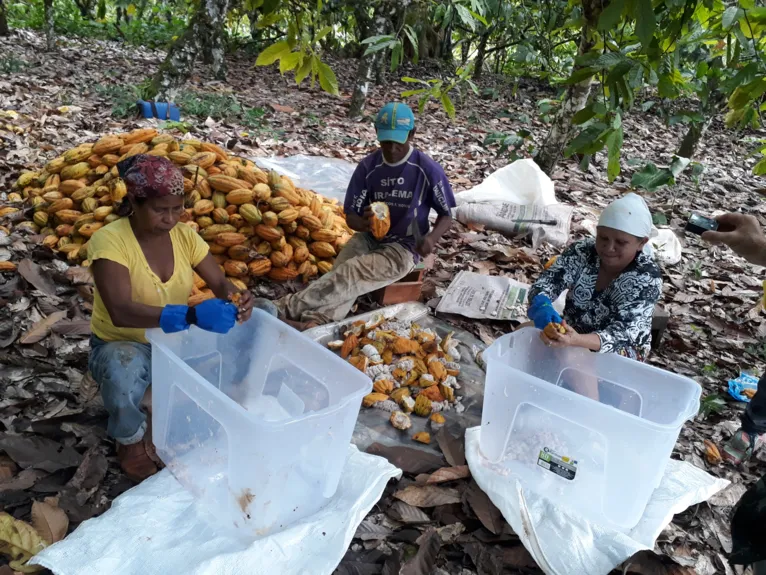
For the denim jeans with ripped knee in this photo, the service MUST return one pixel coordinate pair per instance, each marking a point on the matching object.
(123, 370)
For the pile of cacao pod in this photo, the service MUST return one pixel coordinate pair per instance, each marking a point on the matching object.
(414, 371)
(256, 223)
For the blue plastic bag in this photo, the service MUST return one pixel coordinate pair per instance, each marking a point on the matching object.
(744, 381)
(161, 110)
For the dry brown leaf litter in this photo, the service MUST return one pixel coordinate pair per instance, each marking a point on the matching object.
(53, 427)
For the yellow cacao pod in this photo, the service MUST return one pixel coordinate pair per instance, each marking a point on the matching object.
(82, 193)
(110, 160)
(259, 267)
(204, 189)
(62, 204)
(270, 219)
(290, 195)
(219, 153)
(67, 216)
(203, 159)
(262, 192)
(203, 207)
(324, 236)
(219, 199)
(279, 259)
(312, 223)
(220, 216)
(204, 222)
(236, 220)
(139, 136)
(26, 178)
(135, 149)
(303, 233)
(287, 216)
(102, 212)
(211, 232)
(240, 196)
(200, 297)
(68, 187)
(179, 158)
(282, 274)
(194, 172)
(252, 176)
(118, 190)
(235, 268)
(75, 171)
(7, 267)
(228, 239)
(87, 230)
(380, 220)
(263, 248)
(56, 165)
(322, 249)
(162, 139)
(301, 255)
(89, 205)
(279, 204)
(14, 197)
(107, 145)
(227, 184)
(40, 218)
(251, 214)
(77, 154)
(324, 266)
(240, 252)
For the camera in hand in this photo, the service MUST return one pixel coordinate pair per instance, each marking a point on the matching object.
(698, 224)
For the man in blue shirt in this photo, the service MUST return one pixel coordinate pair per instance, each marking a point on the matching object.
(411, 184)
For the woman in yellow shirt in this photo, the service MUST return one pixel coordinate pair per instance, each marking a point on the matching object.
(143, 266)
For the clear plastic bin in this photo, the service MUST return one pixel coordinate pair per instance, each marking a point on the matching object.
(256, 423)
(591, 431)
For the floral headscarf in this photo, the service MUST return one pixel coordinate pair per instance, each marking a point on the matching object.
(149, 177)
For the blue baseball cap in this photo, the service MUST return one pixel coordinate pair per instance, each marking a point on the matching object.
(394, 123)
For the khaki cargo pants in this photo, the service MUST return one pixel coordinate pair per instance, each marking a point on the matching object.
(363, 266)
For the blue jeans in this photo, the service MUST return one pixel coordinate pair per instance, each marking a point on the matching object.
(123, 370)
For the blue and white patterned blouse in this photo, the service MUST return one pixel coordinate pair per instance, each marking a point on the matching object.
(621, 314)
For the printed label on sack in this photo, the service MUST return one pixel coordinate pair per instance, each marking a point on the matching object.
(565, 467)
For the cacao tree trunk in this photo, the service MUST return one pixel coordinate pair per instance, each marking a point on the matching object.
(445, 44)
(575, 98)
(465, 47)
(482, 50)
(367, 69)
(213, 50)
(50, 33)
(691, 140)
(179, 63)
(4, 30)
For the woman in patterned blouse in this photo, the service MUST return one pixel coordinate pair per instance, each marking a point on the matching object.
(613, 285)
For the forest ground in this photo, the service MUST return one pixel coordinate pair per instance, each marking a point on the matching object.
(62, 98)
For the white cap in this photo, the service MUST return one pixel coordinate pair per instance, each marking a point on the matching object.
(629, 214)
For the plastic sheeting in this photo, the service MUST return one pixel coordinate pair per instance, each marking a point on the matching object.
(326, 176)
(158, 528)
(561, 541)
(521, 182)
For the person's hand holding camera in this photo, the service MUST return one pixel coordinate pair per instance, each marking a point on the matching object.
(743, 234)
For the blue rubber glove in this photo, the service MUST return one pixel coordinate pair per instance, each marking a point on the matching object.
(541, 311)
(215, 315)
(173, 318)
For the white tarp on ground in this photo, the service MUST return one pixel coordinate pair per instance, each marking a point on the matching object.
(563, 542)
(156, 528)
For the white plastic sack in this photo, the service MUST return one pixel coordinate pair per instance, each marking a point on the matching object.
(504, 216)
(561, 541)
(667, 247)
(326, 176)
(158, 528)
(522, 182)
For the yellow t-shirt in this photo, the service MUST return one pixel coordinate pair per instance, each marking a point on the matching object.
(116, 242)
